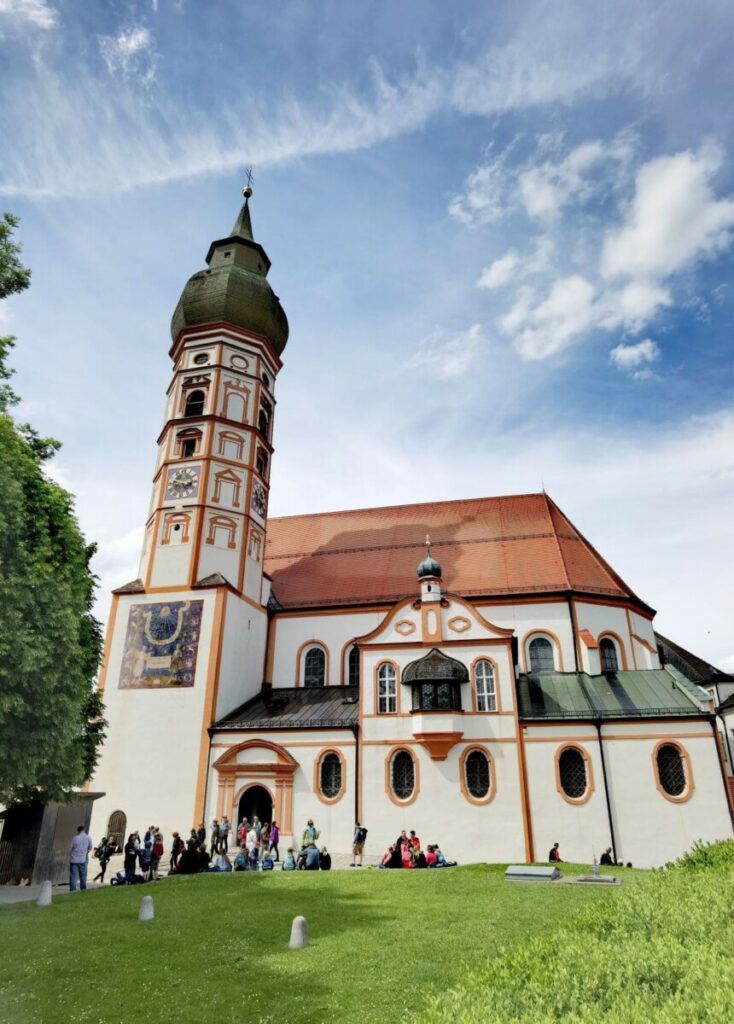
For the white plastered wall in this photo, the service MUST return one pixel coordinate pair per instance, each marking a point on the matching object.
(150, 760)
(333, 632)
(243, 654)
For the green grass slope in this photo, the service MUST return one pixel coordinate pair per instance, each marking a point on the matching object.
(217, 949)
(661, 953)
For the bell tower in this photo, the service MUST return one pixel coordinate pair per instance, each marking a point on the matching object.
(186, 640)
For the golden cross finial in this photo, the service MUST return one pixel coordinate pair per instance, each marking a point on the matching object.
(428, 541)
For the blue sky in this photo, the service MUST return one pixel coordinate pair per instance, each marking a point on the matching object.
(502, 233)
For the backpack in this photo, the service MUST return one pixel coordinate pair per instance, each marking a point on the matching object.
(157, 850)
(361, 835)
(267, 864)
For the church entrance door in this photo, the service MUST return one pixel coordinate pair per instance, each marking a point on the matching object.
(255, 801)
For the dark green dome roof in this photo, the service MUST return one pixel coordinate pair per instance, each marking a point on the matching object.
(234, 288)
(429, 567)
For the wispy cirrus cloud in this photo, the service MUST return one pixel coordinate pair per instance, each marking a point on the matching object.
(131, 53)
(445, 355)
(119, 135)
(24, 13)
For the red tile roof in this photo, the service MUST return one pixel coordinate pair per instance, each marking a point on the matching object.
(522, 544)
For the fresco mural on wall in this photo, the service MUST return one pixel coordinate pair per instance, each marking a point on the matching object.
(161, 645)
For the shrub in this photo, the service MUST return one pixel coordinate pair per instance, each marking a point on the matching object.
(707, 855)
(655, 953)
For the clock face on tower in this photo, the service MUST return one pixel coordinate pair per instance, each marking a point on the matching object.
(183, 483)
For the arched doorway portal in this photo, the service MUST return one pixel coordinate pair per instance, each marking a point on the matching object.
(255, 800)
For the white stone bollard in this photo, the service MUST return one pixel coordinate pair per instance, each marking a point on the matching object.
(146, 909)
(299, 933)
(44, 896)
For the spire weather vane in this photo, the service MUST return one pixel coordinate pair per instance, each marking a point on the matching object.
(247, 190)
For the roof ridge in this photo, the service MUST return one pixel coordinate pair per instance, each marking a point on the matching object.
(401, 505)
(548, 500)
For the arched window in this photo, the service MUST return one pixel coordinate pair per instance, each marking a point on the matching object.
(387, 697)
(194, 403)
(540, 651)
(608, 655)
(261, 462)
(263, 423)
(671, 770)
(572, 773)
(477, 774)
(330, 776)
(402, 775)
(484, 686)
(116, 828)
(353, 666)
(314, 667)
(187, 442)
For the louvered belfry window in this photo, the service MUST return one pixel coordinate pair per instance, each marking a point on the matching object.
(671, 770)
(402, 775)
(476, 770)
(572, 771)
(331, 776)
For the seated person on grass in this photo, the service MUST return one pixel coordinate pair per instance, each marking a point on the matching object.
(222, 863)
(430, 857)
(325, 859)
(311, 857)
(240, 862)
(289, 861)
(267, 862)
(204, 858)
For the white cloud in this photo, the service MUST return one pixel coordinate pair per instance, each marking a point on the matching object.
(673, 220)
(550, 326)
(632, 306)
(500, 271)
(447, 356)
(131, 52)
(33, 12)
(636, 357)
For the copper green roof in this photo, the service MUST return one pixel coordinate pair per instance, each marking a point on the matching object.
(648, 693)
(234, 289)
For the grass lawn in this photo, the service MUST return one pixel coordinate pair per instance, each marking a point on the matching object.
(218, 948)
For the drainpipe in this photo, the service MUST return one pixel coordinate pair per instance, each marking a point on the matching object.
(597, 723)
(722, 766)
(206, 784)
(355, 730)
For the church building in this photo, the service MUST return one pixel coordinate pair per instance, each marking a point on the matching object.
(473, 670)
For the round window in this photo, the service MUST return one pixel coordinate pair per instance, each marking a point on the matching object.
(202, 358)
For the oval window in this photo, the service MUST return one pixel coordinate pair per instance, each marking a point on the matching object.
(402, 775)
(671, 770)
(572, 772)
(201, 359)
(330, 776)
(476, 772)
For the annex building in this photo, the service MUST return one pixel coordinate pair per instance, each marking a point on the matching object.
(497, 687)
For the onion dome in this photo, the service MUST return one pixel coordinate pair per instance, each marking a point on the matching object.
(234, 289)
(429, 566)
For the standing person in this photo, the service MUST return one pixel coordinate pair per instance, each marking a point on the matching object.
(224, 830)
(274, 840)
(242, 832)
(199, 834)
(256, 824)
(103, 854)
(157, 854)
(358, 840)
(131, 857)
(177, 846)
(555, 855)
(310, 834)
(265, 838)
(214, 842)
(79, 850)
(146, 860)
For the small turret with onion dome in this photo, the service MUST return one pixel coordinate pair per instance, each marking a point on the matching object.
(429, 575)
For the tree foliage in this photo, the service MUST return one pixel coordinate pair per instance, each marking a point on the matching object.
(51, 718)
